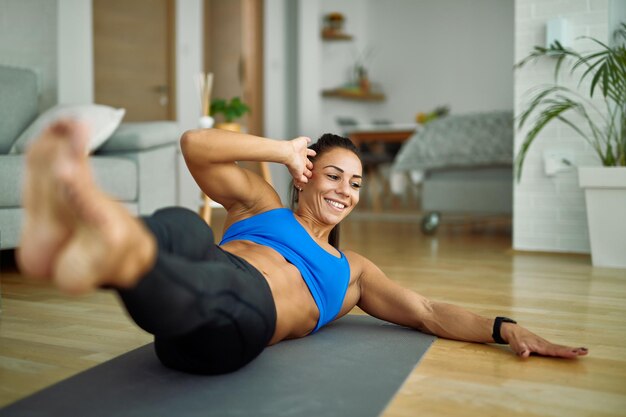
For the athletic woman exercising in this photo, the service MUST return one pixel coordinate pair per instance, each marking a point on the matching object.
(277, 274)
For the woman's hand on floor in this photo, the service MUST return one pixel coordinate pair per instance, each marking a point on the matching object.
(524, 342)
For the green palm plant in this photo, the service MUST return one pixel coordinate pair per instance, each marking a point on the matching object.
(605, 130)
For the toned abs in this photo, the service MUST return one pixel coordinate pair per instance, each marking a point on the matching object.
(296, 311)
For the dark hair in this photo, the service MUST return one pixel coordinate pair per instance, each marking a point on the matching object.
(327, 142)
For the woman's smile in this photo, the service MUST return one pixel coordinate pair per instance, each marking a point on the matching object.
(335, 204)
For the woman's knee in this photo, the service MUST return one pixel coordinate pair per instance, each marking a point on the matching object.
(173, 211)
(180, 231)
(179, 217)
(207, 351)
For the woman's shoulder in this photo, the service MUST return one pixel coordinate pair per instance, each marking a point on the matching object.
(361, 268)
(358, 263)
(351, 255)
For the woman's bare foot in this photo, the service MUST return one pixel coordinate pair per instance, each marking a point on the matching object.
(48, 221)
(74, 234)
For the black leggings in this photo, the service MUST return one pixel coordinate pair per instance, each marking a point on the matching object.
(210, 311)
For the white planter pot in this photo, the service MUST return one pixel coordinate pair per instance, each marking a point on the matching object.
(605, 195)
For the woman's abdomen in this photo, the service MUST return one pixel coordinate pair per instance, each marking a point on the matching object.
(296, 311)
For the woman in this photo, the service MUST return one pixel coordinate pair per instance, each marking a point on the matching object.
(277, 274)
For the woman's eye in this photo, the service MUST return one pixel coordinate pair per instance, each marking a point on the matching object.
(356, 185)
(333, 177)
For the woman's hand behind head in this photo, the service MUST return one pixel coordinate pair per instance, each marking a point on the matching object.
(298, 163)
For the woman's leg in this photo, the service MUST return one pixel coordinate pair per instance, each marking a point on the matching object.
(76, 236)
(210, 311)
(73, 233)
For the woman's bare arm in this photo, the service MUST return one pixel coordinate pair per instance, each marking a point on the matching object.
(387, 300)
(211, 156)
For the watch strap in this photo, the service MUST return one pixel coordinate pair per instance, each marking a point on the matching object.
(497, 325)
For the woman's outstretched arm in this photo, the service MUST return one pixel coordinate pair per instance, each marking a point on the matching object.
(387, 300)
(211, 155)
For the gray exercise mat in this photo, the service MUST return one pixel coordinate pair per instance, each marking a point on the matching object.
(352, 367)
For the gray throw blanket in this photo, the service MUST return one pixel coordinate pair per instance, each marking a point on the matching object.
(459, 141)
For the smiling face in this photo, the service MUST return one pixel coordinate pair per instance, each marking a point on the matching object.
(333, 190)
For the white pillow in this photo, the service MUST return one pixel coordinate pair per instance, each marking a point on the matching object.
(101, 120)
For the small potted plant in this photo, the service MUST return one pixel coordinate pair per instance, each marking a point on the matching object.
(231, 111)
(440, 111)
(602, 126)
(333, 23)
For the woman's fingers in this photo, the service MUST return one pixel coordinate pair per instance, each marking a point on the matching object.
(521, 349)
(581, 351)
(564, 351)
(524, 343)
(550, 349)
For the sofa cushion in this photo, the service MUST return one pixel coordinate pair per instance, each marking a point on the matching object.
(18, 103)
(101, 120)
(141, 135)
(12, 173)
(117, 176)
(10, 227)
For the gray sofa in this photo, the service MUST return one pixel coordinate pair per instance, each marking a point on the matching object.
(136, 165)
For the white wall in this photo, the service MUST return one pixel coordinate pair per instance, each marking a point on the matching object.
(189, 63)
(309, 104)
(424, 53)
(276, 67)
(617, 14)
(549, 212)
(53, 38)
(28, 38)
(75, 52)
(432, 52)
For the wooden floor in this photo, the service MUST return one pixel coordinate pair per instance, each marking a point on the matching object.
(46, 337)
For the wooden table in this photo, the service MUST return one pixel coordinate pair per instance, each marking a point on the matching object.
(370, 134)
(389, 134)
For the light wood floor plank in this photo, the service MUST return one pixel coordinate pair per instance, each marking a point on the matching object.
(46, 337)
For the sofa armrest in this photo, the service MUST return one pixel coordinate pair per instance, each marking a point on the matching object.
(18, 103)
(140, 136)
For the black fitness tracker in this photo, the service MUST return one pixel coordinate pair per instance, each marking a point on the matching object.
(497, 324)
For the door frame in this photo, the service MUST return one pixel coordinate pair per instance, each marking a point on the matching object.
(171, 53)
(252, 49)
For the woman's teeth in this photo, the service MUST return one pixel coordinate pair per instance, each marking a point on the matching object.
(335, 204)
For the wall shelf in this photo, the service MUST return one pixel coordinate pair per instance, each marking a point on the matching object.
(353, 94)
(333, 35)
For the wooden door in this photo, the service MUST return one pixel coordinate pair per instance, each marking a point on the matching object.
(233, 52)
(134, 57)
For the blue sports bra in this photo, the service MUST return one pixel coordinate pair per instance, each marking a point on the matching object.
(326, 275)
